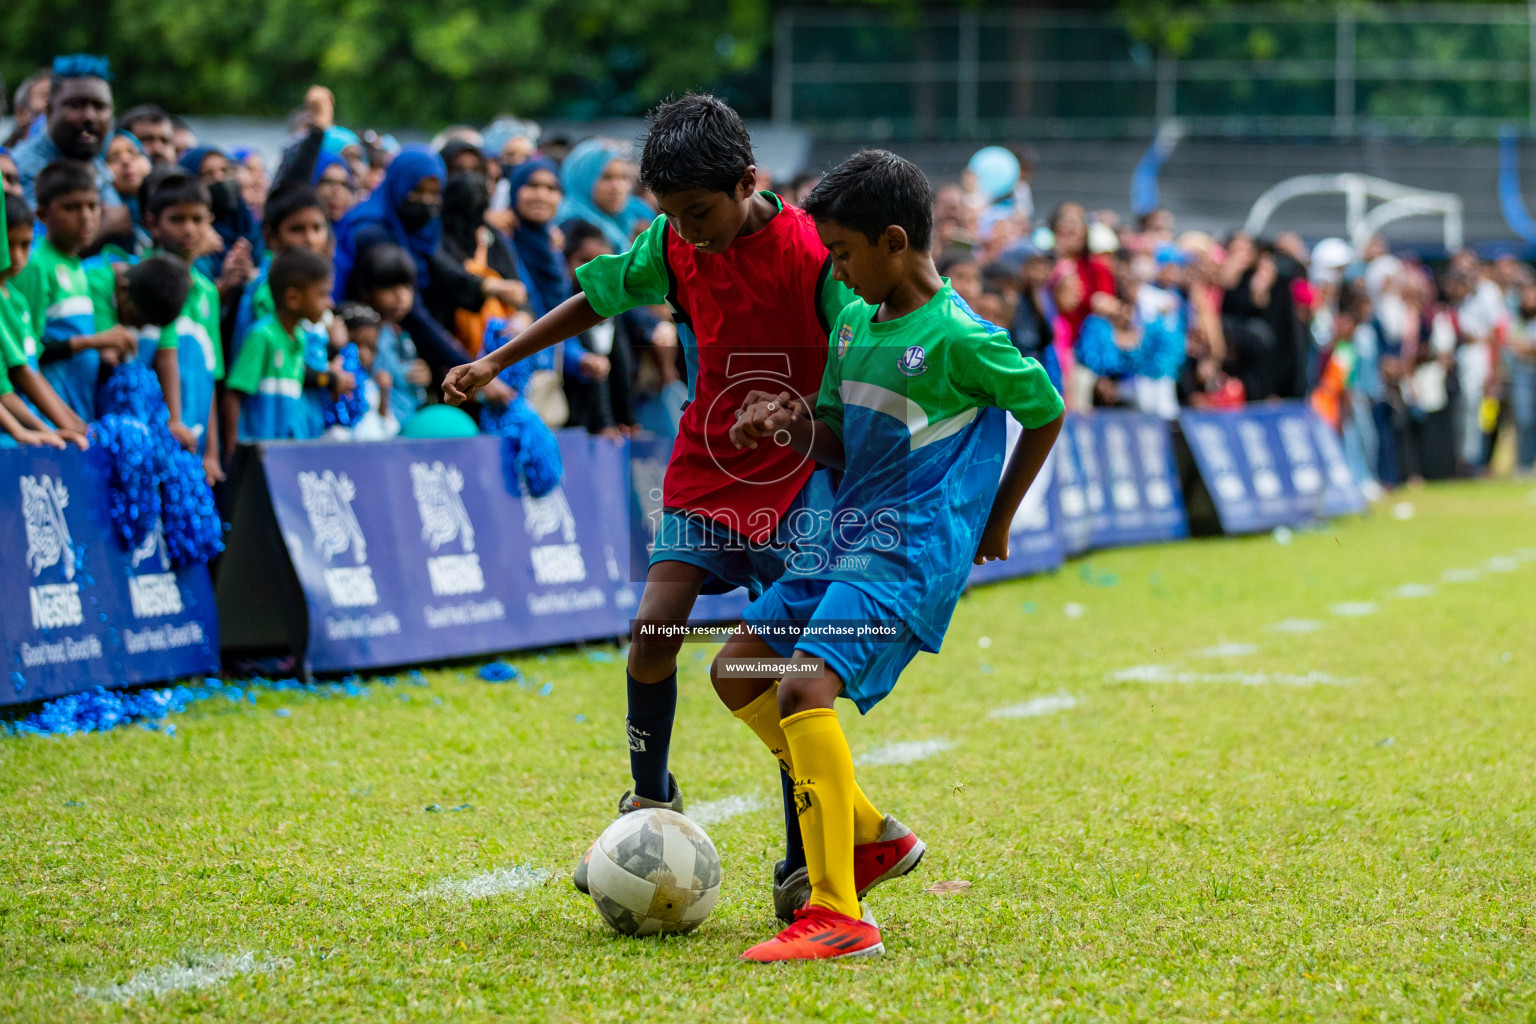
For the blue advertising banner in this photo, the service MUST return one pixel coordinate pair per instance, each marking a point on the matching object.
(1141, 480)
(85, 612)
(1080, 487)
(1034, 536)
(477, 568)
(1269, 465)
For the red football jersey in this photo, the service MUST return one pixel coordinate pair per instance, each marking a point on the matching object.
(750, 318)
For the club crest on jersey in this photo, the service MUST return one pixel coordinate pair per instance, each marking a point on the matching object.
(913, 361)
(844, 336)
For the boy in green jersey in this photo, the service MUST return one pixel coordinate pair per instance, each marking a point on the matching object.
(911, 409)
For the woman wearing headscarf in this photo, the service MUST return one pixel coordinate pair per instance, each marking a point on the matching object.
(406, 210)
(334, 183)
(232, 219)
(535, 194)
(479, 249)
(599, 185)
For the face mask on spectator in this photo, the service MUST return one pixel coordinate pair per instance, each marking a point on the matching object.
(415, 214)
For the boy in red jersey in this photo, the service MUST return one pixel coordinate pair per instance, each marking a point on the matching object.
(749, 284)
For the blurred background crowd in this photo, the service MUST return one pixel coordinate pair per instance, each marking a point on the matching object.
(435, 252)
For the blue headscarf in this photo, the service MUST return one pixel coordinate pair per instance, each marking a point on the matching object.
(231, 225)
(325, 162)
(338, 139)
(382, 209)
(544, 264)
(192, 160)
(579, 175)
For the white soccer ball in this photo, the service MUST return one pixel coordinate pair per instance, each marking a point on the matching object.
(653, 871)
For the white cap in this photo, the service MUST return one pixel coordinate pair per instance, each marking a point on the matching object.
(1331, 254)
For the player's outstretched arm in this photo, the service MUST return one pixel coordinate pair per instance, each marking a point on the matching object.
(1034, 445)
(572, 317)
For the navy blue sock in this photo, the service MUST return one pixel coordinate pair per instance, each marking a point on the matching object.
(651, 709)
(794, 846)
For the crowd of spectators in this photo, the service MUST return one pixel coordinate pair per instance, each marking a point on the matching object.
(1420, 369)
(339, 286)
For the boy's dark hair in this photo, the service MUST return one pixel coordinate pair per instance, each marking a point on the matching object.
(285, 201)
(695, 142)
(579, 231)
(171, 186)
(383, 266)
(296, 268)
(158, 288)
(872, 190)
(357, 314)
(17, 212)
(62, 177)
(144, 113)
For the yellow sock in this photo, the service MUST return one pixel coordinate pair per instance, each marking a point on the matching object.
(824, 789)
(762, 717)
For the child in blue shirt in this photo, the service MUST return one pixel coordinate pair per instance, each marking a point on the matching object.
(263, 398)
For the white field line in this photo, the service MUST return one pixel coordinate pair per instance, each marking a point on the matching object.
(713, 812)
(1296, 626)
(1412, 590)
(1167, 674)
(1232, 650)
(1461, 575)
(1355, 609)
(499, 882)
(905, 753)
(1036, 708)
(195, 972)
(1502, 563)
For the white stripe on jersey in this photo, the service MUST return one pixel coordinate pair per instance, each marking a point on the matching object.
(879, 399)
(285, 386)
(71, 305)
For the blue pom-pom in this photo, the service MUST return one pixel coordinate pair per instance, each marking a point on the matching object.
(194, 533)
(134, 390)
(82, 65)
(133, 492)
(348, 409)
(531, 454)
(152, 477)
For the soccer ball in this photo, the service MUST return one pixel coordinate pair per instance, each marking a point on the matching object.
(653, 871)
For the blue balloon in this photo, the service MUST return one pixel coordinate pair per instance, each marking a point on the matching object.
(996, 170)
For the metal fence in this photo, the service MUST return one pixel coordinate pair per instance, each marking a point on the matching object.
(1416, 70)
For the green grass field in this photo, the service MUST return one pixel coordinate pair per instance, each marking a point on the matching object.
(1256, 824)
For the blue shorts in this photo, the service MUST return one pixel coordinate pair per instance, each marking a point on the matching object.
(730, 559)
(869, 661)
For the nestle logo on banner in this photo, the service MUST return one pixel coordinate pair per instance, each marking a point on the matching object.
(1213, 442)
(154, 594)
(1124, 493)
(1296, 439)
(43, 501)
(445, 520)
(1266, 482)
(553, 563)
(1154, 459)
(327, 501)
